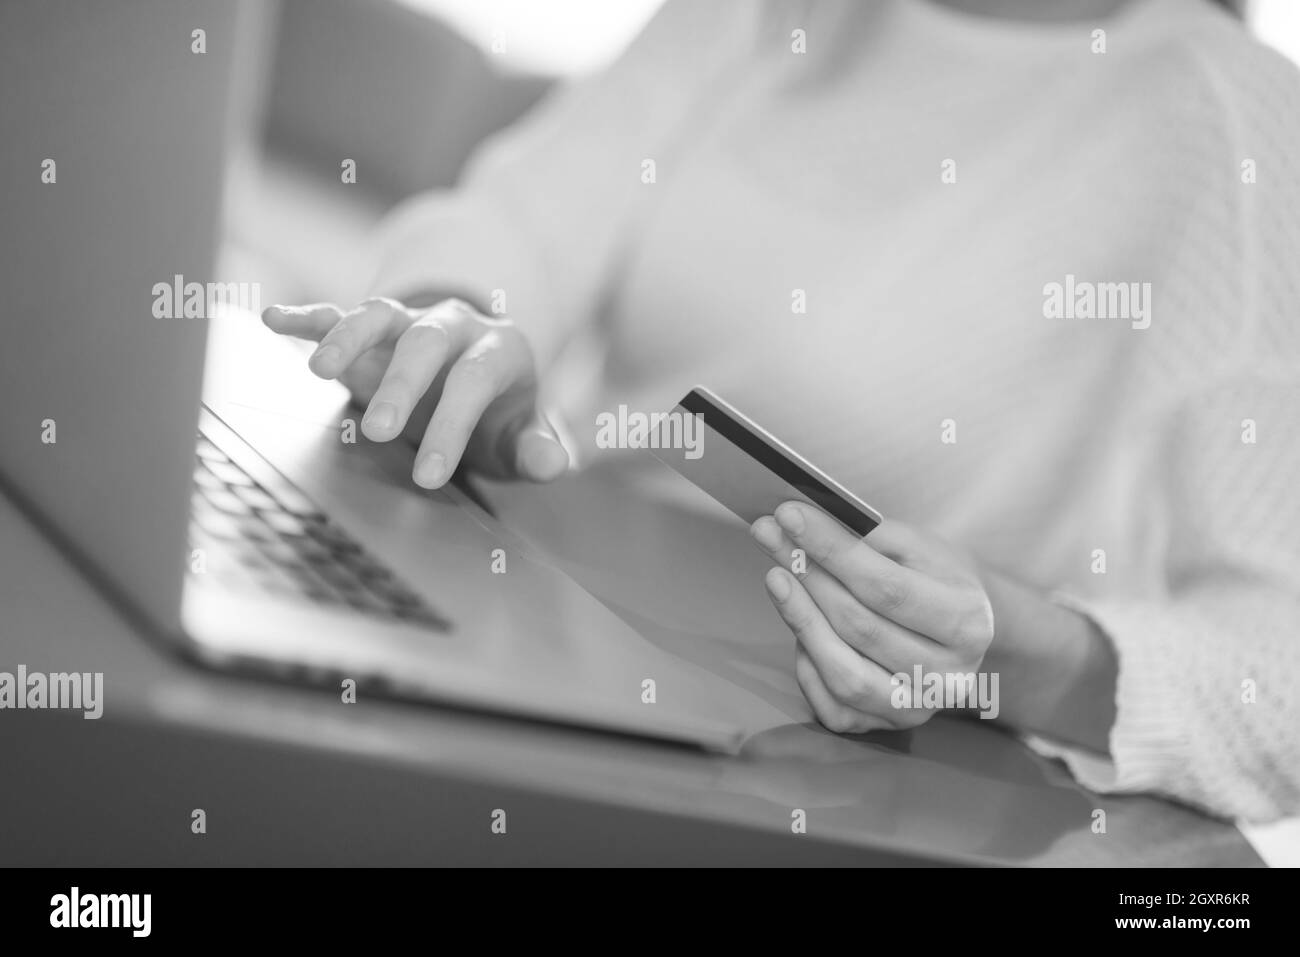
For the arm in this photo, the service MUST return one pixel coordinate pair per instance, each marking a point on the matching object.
(1186, 688)
(527, 244)
(544, 209)
(1189, 694)
(1206, 705)
(875, 608)
(1058, 670)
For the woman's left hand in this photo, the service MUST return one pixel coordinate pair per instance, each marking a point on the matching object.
(869, 609)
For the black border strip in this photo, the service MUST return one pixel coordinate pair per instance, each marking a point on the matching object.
(778, 461)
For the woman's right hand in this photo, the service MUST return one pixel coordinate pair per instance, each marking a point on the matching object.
(460, 385)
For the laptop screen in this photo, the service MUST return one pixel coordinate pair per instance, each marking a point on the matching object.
(114, 118)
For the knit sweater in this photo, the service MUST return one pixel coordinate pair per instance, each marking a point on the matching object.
(1040, 298)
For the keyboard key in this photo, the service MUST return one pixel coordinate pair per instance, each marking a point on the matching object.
(368, 571)
(320, 595)
(276, 541)
(218, 525)
(310, 550)
(257, 531)
(304, 579)
(254, 561)
(205, 479)
(230, 473)
(227, 502)
(339, 579)
(209, 452)
(255, 498)
(285, 523)
(422, 616)
(280, 552)
(368, 604)
(333, 537)
(295, 503)
(399, 596)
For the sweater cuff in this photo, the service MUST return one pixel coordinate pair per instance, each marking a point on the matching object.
(1150, 741)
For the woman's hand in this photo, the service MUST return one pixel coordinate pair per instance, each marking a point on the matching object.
(868, 609)
(458, 384)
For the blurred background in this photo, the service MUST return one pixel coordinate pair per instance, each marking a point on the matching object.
(407, 88)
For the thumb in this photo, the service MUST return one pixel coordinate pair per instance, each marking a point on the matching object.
(539, 454)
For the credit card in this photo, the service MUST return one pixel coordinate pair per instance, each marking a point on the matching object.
(747, 469)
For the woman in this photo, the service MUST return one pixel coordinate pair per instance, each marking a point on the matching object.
(1036, 280)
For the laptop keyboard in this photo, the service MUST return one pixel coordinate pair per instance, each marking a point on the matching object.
(278, 542)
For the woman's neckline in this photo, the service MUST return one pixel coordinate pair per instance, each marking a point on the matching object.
(1049, 35)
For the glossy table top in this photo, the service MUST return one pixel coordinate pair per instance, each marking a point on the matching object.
(953, 791)
(316, 781)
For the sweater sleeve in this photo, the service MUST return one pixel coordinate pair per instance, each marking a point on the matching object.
(1208, 709)
(536, 225)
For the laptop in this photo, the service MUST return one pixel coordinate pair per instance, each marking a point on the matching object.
(237, 535)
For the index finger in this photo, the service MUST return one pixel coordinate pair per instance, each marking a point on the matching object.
(853, 680)
(358, 331)
(309, 322)
(903, 595)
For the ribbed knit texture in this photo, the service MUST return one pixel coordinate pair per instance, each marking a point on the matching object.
(777, 171)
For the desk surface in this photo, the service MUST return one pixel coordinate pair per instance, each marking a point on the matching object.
(292, 775)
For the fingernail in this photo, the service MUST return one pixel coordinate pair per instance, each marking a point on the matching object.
(429, 470)
(547, 461)
(766, 533)
(382, 416)
(326, 355)
(790, 518)
(778, 584)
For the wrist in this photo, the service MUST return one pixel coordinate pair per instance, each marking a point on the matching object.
(1058, 670)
